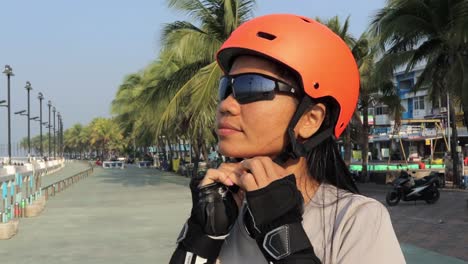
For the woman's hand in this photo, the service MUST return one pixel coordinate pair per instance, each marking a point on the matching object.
(226, 173)
(250, 174)
(259, 172)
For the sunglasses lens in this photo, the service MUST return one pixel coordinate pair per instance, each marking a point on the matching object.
(252, 87)
(224, 88)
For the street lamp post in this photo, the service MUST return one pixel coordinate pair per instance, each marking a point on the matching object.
(62, 143)
(9, 72)
(28, 88)
(53, 109)
(59, 132)
(40, 97)
(49, 104)
(63, 140)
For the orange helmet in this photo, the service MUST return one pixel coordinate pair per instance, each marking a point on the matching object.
(318, 56)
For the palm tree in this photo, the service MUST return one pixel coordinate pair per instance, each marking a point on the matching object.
(342, 30)
(433, 32)
(73, 141)
(181, 95)
(375, 86)
(129, 114)
(105, 135)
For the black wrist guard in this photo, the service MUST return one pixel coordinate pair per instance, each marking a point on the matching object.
(273, 218)
(194, 243)
(216, 210)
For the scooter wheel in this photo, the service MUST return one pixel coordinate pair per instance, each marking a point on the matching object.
(393, 198)
(434, 197)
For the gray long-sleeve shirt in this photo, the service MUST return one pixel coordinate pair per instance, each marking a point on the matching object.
(342, 227)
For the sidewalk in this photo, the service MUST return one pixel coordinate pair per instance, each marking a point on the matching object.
(135, 215)
(70, 169)
(113, 216)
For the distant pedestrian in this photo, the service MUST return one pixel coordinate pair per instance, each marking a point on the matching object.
(421, 165)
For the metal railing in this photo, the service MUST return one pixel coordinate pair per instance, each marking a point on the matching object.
(61, 185)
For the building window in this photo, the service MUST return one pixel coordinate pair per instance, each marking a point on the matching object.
(419, 103)
(439, 102)
(381, 110)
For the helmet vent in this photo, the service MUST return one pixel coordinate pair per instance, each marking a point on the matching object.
(306, 20)
(266, 35)
(342, 124)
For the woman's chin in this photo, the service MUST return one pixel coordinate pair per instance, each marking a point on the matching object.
(237, 151)
(233, 151)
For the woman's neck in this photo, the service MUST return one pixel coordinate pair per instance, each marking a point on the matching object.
(304, 181)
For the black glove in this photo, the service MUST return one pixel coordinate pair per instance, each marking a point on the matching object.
(214, 212)
(273, 219)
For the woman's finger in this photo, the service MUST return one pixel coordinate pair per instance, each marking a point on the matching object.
(233, 171)
(214, 175)
(248, 183)
(256, 168)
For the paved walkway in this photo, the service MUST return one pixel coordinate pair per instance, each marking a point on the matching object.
(119, 216)
(113, 216)
(70, 169)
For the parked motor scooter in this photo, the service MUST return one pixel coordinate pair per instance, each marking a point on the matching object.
(407, 189)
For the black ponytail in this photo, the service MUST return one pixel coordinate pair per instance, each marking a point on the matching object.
(324, 162)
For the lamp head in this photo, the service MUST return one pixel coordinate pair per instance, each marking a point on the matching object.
(28, 86)
(8, 70)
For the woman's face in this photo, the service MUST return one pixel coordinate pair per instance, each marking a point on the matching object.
(257, 128)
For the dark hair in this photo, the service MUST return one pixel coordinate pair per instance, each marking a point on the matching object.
(324, 162)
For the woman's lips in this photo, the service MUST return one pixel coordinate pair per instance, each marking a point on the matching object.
(225, 128)
(227, 131)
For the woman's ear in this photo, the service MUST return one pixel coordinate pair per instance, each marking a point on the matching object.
(311, 121)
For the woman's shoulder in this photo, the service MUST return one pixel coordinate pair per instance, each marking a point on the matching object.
(350, 204)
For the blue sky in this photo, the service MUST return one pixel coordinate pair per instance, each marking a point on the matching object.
(77, 52)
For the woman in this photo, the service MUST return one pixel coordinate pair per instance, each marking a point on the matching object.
(290, 88)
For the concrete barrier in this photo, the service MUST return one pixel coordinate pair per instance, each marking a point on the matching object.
(145, 164)
(21, 192)
(113, 164)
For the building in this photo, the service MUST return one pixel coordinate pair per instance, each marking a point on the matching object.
(424, 127)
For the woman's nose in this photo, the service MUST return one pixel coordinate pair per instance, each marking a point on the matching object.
(229, 106)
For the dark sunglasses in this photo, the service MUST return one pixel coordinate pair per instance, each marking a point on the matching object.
(252, 87)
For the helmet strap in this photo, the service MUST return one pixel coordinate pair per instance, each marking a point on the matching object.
(295, 149)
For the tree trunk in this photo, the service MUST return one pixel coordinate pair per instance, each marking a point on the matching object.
(196, 157)
(162, 147)
(170, 154)
(205, 151)
(365, 141)
(454, 144)
(465, 113)
(179, 150)
(184, 152)
(347, 145)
